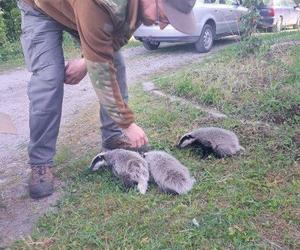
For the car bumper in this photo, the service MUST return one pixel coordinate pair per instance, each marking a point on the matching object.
(168, 34)
(166, 39)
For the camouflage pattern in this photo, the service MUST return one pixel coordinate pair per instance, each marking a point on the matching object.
(109, 93)
(117, 10)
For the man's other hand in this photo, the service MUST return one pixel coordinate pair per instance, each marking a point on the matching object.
(136, 136)
(75, 71)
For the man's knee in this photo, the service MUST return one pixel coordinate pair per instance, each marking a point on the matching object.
(45, 89)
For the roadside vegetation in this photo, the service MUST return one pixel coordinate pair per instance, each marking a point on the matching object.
(250, 201)
(264, 85)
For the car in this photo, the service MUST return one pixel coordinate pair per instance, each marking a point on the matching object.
(277, 14)
(215, 19)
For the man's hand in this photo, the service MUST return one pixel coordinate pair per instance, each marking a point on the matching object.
(136, 136)
(75, 71)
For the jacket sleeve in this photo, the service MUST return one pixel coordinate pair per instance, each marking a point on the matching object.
(95, 30)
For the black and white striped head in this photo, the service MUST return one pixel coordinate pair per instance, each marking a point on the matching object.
(98, 162)
(186, 140)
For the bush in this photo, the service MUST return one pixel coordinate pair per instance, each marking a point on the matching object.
(10, 51)
(250, 44)
(3, 38)
(11, 18)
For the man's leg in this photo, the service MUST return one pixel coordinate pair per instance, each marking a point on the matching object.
(42, 45)
(110, 130)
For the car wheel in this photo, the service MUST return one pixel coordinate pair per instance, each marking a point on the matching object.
(151, 45)
(206, 40)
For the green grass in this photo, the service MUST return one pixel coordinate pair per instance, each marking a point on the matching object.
(237, 201)
(263, 86)
(249, 201)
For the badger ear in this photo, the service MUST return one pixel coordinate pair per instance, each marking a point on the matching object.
(186, 140)
(97, 162)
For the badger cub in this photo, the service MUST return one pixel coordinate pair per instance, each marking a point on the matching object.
(128, 166)
(168, 173)
(219, 141)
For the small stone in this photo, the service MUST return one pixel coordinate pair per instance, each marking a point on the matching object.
(195, 222)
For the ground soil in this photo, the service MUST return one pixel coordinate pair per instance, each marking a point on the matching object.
(18, 213)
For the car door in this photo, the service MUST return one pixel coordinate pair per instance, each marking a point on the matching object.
(228, 16)
(209, 9)
(238, 12)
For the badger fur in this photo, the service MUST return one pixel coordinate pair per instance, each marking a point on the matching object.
(128, 166)
(168, 173)
(219, 141)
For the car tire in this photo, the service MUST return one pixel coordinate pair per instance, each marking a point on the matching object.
(151, 45)
(206, 40)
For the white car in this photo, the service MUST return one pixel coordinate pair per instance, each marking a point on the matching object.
(215, 19)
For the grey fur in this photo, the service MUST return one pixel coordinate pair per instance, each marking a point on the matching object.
(169, 174)
(128, 166)
(221, 141)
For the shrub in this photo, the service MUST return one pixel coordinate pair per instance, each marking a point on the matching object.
(11, 18)
(3, 38)
(10, 51)
(250, 44)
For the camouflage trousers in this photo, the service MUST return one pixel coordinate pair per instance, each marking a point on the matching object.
(41, 40)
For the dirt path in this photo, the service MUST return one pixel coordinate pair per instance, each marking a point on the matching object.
(18, 212)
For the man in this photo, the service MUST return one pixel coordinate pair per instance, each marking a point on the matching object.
(103, 27)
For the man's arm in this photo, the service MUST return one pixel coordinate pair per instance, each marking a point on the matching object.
(95, 29)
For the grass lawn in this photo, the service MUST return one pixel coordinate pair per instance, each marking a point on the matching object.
(249, 201)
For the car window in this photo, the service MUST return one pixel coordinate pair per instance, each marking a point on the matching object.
(209, 1)
(228, 2)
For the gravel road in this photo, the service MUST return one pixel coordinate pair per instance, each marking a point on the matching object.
(17, 211)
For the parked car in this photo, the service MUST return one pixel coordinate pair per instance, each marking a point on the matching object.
(277, 14)
(215, 19)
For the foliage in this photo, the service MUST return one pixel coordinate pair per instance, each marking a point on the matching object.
(11, 51)
(249, 45)
(3, 38)
(249, 22)
(10, 25)
(11, 19)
